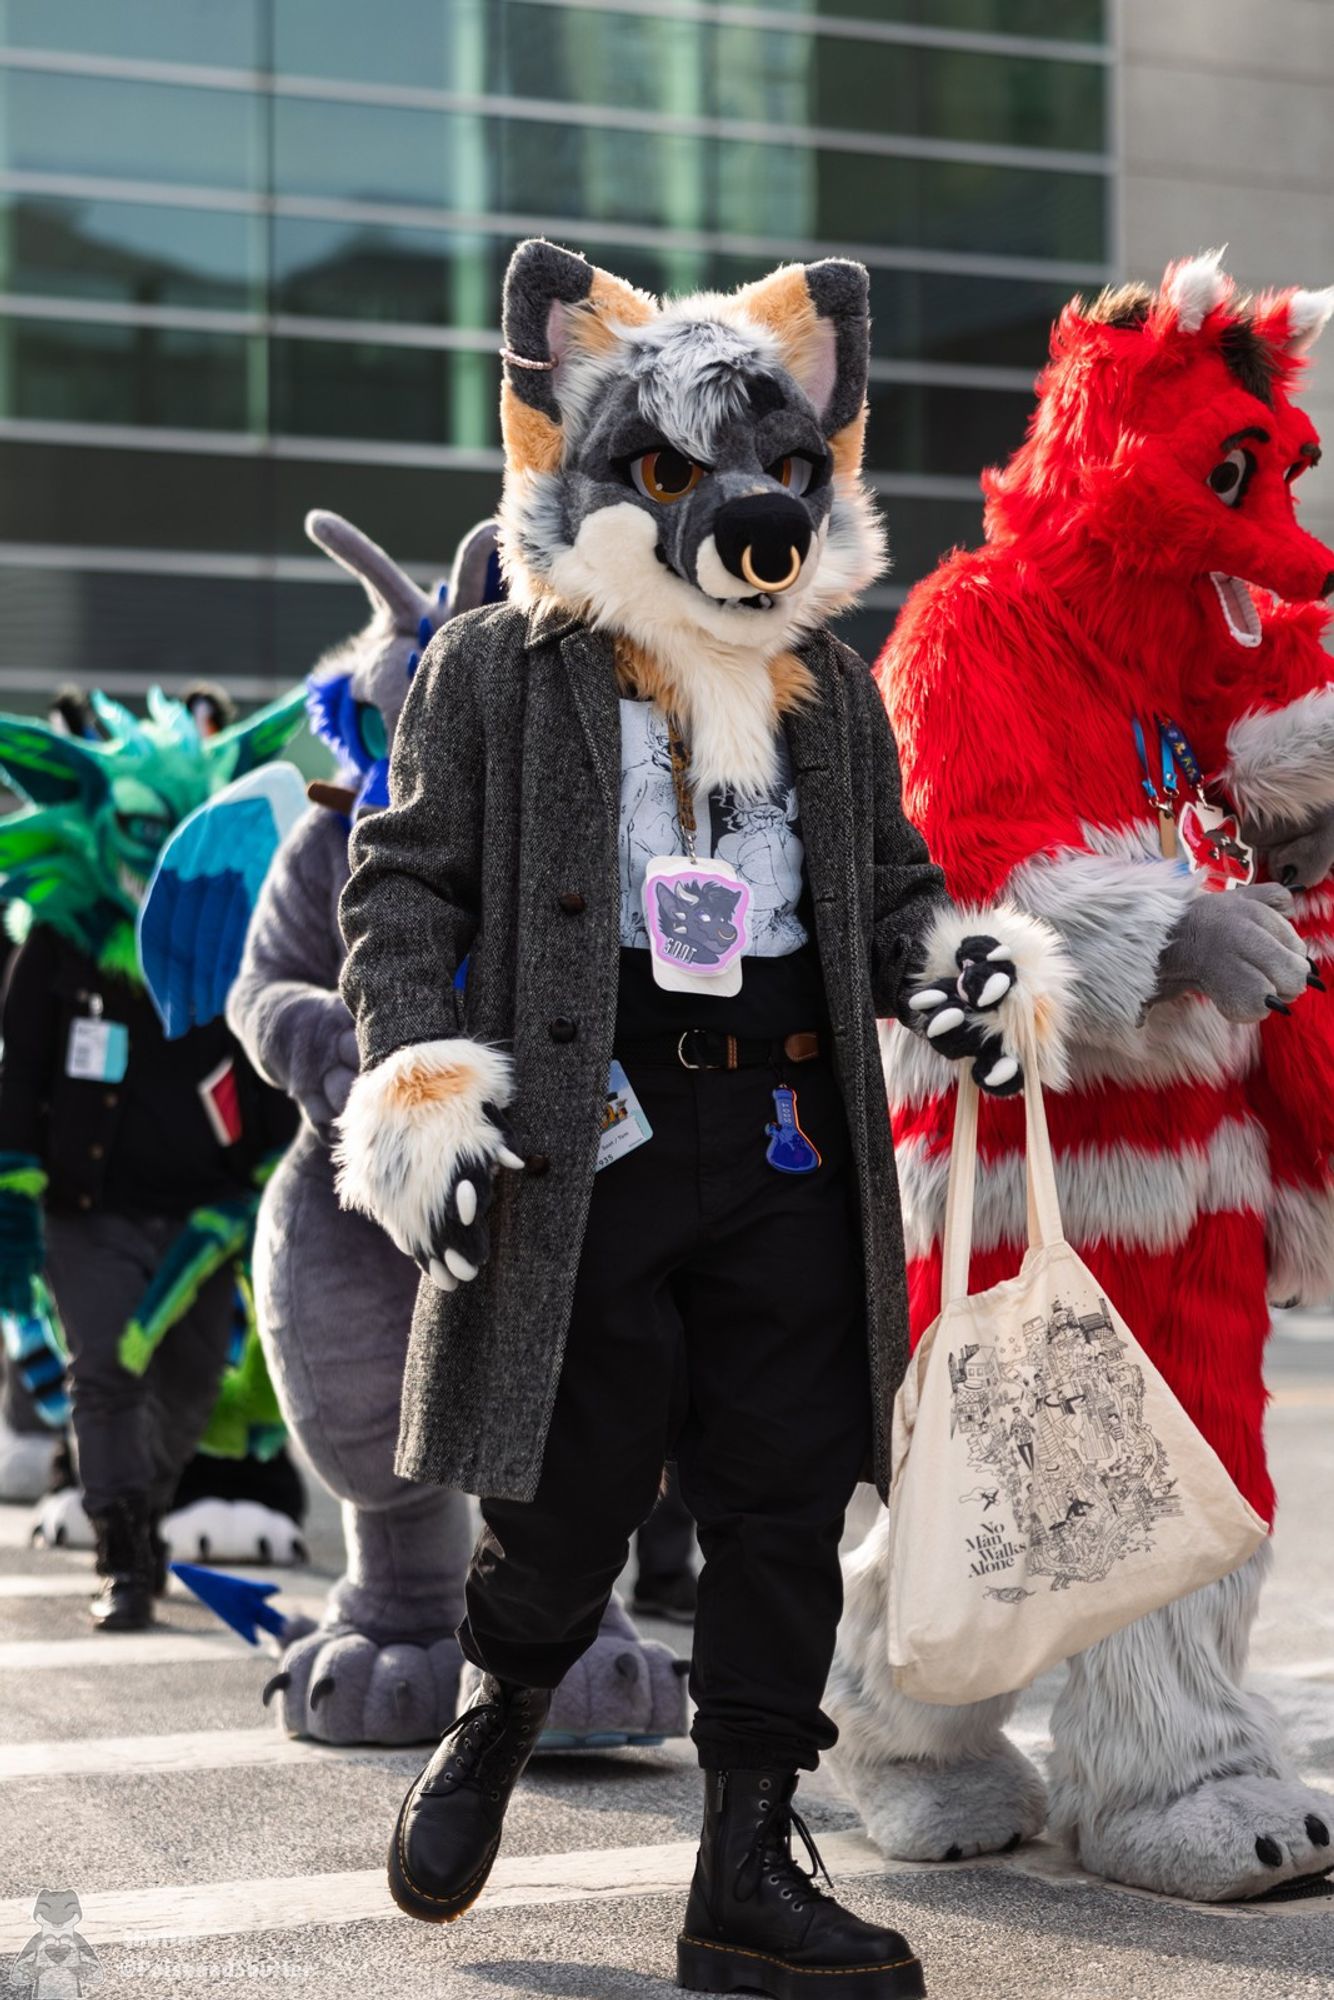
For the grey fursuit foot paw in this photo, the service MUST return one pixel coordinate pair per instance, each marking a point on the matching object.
(920, 1811)
(336, 1685)
(623, 1693)
(1229, 1839)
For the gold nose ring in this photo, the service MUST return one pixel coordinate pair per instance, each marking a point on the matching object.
(752, 575)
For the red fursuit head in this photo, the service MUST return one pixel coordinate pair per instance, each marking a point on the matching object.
(1143, 560)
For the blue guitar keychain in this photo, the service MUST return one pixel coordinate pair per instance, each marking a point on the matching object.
(790, 1151)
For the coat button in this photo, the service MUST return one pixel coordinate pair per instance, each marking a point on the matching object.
(562, 1029)
(111, 1100)
(572, 903)
(96, 1152)
(85, 1201)
(537, 1163)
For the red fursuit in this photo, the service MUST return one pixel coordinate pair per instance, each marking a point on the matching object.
(1143, 560)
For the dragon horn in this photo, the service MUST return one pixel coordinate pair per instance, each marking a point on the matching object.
(379, 575)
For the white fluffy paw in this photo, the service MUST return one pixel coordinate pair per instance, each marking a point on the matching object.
(60, 1522)
(233, 1531)
(335, 1685)
(919, 1811)
(1227, 1840)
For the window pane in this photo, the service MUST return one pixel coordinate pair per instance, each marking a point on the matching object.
(125, 251)
(126, 375)
(1070, 20)
(921, 532)
(405, 41)
(224, 32)
(920, 427)
(536, 168)
(981, 322)
(409, 395)
(141, 131)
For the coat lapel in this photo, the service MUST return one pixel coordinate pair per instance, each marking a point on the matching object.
(587, 659)
(817, 735)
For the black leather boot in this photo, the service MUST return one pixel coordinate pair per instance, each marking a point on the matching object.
(125, 1563)
(449, 1825)
(756, 1922)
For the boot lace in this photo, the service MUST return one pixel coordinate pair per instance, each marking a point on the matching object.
(769, 1858)
(475, 1733)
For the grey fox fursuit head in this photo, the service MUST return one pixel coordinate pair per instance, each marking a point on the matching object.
(688, 476)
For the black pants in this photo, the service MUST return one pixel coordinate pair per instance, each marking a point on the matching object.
(719, 1315)
(133, 1433)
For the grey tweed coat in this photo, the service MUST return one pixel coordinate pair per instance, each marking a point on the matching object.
(500, 845)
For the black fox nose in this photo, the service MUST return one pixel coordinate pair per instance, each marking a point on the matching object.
(763, 539)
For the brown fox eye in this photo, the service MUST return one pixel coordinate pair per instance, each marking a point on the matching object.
(665, 475)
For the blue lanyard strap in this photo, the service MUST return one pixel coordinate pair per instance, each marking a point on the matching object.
(1173, 750)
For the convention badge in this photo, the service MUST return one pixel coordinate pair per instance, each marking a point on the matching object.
(624, 1126)
(789, 1150)
(697, 916)
(1215, 852)
(98, 1051)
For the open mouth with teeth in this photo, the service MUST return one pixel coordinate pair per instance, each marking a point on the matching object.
(131, 885)
(1239, 612)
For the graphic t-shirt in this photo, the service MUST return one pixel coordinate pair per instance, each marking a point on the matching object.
(780, 985)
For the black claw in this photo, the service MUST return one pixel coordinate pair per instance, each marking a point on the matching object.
(1275, 1005)
(1317, 1831)
(1269, 1851)
(627, 1666)
(322, 1687)
(1012, 1843)
(680, 1668)
(275, 1686)
(300, 1553)
(1313, 979)
(265, 1547)
(1288, 875)
(952, 1854)
(402, 1700)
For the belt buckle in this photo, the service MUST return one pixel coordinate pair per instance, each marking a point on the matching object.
(681, 1051)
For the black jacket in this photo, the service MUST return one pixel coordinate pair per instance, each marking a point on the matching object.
(145, 1144)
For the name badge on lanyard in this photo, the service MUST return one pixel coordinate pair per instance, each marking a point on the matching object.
(1206, 838)
(697, 912)
(98, 1050)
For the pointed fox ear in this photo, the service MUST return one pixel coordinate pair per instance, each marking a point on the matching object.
(557, 306)
(820, 315)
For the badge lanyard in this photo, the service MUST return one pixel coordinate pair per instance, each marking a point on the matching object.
(696, 912)
(1205, 837)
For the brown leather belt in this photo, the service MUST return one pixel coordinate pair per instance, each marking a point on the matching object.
(709, 1048)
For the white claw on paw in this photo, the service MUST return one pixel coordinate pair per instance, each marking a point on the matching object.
(998, 951)
(947, 1019)
(508, 1158)
(465, 1201)
(933, 996)
(1001, 1073)
(444, 1280)
(995, 990)
(459, 1266)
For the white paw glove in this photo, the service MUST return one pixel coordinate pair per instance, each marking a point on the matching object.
(941, 1013)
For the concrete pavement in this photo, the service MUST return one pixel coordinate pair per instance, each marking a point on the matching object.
(208, 1851)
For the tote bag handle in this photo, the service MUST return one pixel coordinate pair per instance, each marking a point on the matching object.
(1044, 1208)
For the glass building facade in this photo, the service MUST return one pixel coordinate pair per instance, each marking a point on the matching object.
(250, 257)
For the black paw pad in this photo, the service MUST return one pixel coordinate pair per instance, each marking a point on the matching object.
(952, 1854)
(1316, 1831)
(1269, 1851)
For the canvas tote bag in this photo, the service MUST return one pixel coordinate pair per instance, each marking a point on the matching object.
(1048, 1488)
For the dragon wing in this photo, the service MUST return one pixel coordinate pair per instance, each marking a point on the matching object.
(194, 918)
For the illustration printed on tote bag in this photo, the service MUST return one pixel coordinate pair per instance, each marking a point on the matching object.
(1059, 1424)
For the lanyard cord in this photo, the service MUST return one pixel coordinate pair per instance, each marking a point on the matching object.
(685, 802)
